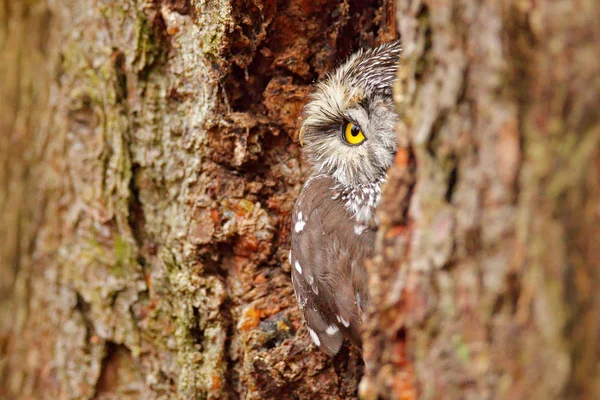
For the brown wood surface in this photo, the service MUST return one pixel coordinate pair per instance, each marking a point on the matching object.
(486, 284)
(149, 164)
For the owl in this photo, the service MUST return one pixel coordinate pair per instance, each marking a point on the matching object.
(349, 141)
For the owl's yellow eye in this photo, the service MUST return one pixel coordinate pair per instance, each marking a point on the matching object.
(353, 134)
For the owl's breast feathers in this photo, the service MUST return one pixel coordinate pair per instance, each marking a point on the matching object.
(333, 232)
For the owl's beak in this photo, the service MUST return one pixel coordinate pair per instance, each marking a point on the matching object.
(301, 136)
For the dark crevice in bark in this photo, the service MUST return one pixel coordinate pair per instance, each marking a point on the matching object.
(410, 181)
(363, 25)
(182, 7)
(423, 62)
(505, 303)
(121, 76)
(196, 332)
(520, 44)
(117, 364)
(433, 140)
(452, 180)
(232, 377)
(243, 98)
(83, 308)
(275, 334)
(513, 293)
(136, 217)
(155, 44)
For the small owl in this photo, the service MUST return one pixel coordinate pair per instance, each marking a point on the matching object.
(349, 140)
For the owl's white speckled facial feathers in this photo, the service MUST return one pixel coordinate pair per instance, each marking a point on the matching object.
(349, 140)
(358, 91)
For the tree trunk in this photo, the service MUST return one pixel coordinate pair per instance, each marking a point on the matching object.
(486, 283)
(149, 164)
(148, 172)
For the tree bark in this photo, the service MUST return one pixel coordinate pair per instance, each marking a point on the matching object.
(486, 282)
(149, 164)
(148, 171)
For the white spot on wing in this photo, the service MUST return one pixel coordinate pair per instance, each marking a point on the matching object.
(298, 267)
(342, 321)
(332, 329)
(310, 279)
(299, 226)
(314, 337)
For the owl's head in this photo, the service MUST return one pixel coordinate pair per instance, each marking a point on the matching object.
(348, 128)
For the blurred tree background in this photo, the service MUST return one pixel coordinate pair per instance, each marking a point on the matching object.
(149, 164)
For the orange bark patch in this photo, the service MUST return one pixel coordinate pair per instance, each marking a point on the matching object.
(395, 231)
(214, 214)
(402, 157)
(148, 279)
(246, 246)
(251, 319)
(253, 316)
(216, 382)
(403, 386)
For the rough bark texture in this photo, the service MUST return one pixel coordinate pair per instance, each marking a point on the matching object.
(486, 284)
(148, 169)
(148, 166)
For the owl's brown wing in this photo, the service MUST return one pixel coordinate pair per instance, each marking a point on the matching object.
(327, 258)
